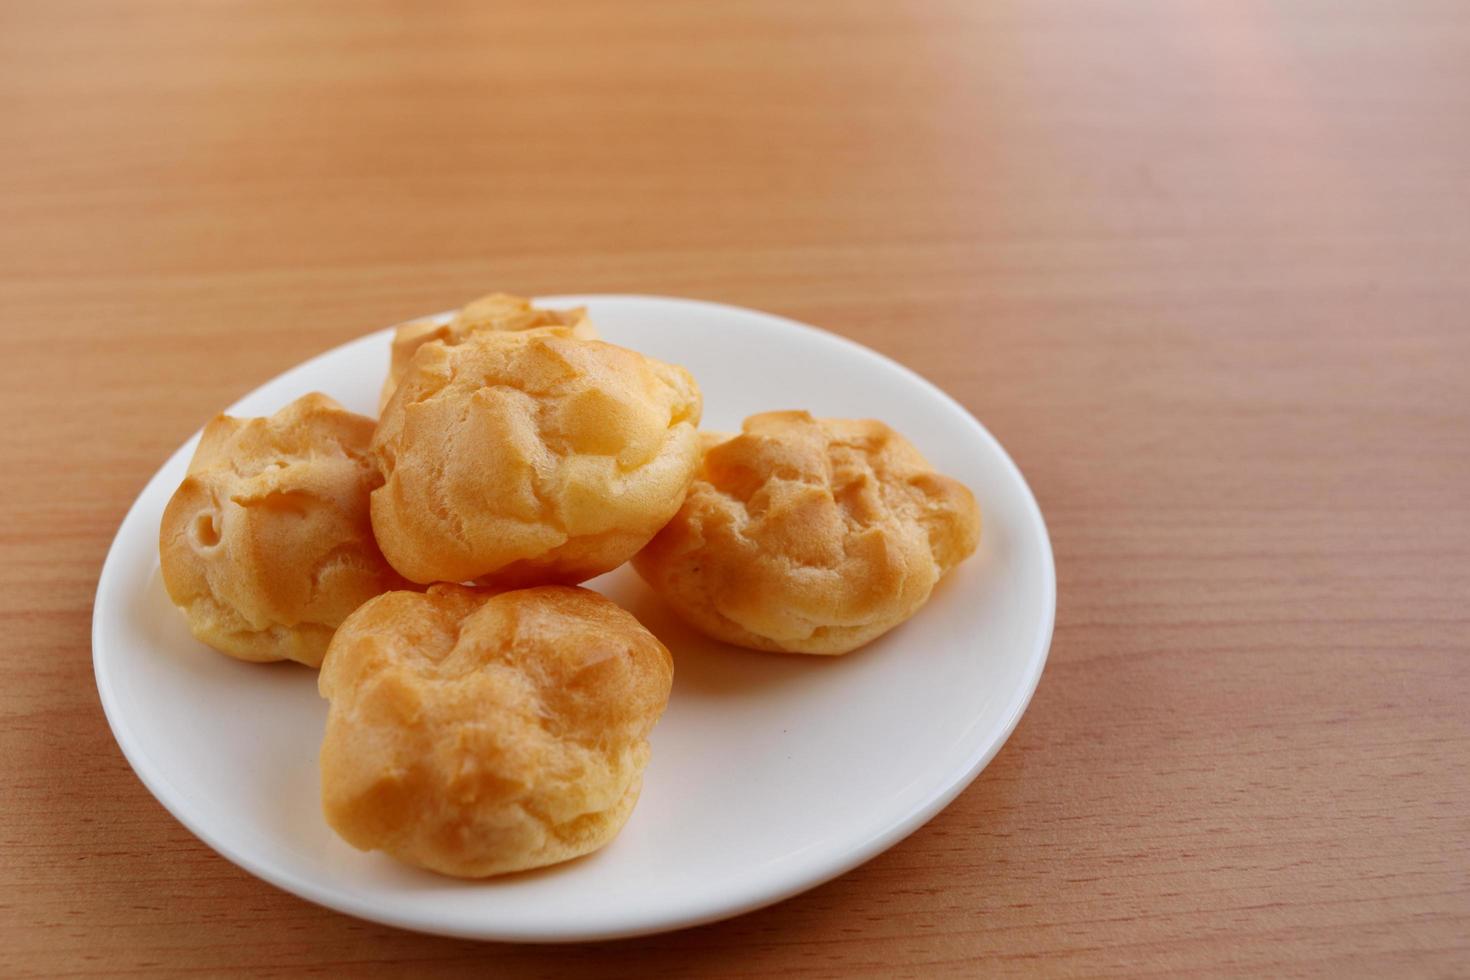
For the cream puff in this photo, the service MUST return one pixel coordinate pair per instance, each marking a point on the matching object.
(496, 312)
(525, 458)
(807, 535)
(267, 544)
(476, 733)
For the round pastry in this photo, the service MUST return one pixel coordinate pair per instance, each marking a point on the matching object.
(526, 458)
(474, 733)
(267, 544)
(807, 535)
(498, 311)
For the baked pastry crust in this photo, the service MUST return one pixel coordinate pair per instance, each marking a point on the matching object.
(527, 458)
(474, 733)
(267, 544)
(808, 535)
(495, 312)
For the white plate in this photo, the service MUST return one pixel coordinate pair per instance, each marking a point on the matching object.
(770, 774)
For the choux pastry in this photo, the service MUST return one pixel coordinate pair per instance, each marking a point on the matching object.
(267, 544)
(808, 535)
(527, 458)
(474, 733)
(498, 311)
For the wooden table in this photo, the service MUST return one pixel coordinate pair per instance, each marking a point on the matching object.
(1204, 268)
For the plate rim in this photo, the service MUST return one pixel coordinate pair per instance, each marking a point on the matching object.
(361, 907)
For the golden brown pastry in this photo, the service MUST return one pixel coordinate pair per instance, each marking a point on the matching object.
(474, 733)
(526, 458)
(810, 535)
(267, 545)
(498, 311)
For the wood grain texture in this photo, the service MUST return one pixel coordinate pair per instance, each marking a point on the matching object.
(1203, 268)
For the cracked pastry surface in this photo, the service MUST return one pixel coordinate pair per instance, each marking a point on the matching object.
(475, 733)
(525, 458)
(807, 535)
(267, 545)
(496, 312)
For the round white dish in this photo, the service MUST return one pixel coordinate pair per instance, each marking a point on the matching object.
(770, 775)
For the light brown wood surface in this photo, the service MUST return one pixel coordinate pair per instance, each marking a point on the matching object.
(1204, 268)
